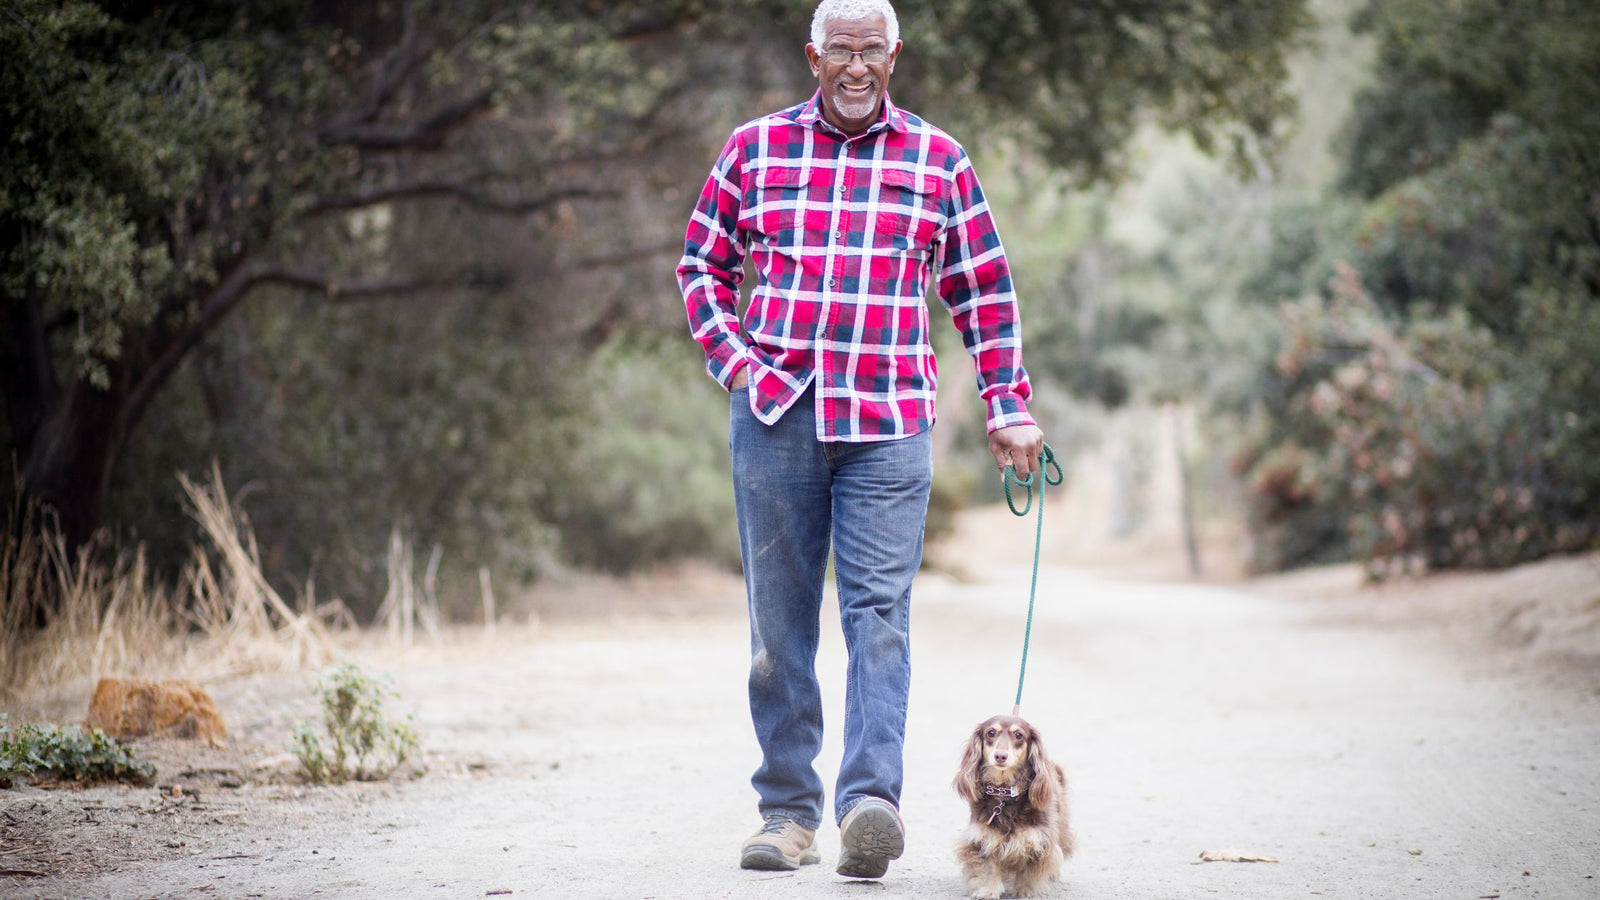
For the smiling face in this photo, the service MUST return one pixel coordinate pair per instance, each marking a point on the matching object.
(852, 92)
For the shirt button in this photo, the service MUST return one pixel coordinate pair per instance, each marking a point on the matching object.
(833, 282)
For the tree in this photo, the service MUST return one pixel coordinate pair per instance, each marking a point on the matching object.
(164, 163)
(1437, 403)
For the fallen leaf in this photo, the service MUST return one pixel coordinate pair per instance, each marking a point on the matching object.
(1232, 856)
(1414, 852)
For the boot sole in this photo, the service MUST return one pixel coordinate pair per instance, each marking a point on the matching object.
(873, 837)
(767, 858)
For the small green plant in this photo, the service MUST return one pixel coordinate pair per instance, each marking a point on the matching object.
(68, 754)
(358, 740)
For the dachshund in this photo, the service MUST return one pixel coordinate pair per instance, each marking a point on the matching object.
(1019, 834)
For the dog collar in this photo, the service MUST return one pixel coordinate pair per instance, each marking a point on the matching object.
(992, 790)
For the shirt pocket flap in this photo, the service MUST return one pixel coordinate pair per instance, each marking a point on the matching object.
(922, 184)
(776, 176)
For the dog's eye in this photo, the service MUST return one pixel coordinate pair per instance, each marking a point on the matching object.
(1016, 736)
(993, 732)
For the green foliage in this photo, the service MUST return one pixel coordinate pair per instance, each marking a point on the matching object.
(140, 153)
(358, 739)
(67, 753)
(1438, 404)
(1401, 369)
(1470, 232)
(637, 475)
(1445, 72)
(1074, 80)
(507, 183)
(1415, 443)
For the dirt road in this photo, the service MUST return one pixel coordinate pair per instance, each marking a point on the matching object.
(610, 759)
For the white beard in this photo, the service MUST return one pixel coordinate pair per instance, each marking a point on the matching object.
(854, 109)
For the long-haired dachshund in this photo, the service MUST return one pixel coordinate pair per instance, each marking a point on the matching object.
(1019, 834)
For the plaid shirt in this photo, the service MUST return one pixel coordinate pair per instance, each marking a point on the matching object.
(846, 233)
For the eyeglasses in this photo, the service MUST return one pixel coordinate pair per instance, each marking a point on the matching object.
(872, 56)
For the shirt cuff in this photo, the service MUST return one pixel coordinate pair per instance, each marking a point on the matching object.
(734, 368)
(1006, 410)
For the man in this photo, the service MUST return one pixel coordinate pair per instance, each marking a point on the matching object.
(848, 207)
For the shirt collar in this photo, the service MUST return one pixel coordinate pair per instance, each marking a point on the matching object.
(811, 116)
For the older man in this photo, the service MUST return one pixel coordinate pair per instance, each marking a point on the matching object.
(849, 208)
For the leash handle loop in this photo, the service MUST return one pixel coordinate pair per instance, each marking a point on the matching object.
(1052, 476)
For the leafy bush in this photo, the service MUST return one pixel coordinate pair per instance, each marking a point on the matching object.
(358, 740)
(1395, 444)
(1436, 404)
(67, 753)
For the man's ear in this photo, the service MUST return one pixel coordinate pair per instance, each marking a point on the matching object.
(815, 59)
(894, 55)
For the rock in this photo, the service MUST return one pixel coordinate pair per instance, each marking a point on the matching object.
(130, 707)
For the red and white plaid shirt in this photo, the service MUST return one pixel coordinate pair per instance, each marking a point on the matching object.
(846, 233)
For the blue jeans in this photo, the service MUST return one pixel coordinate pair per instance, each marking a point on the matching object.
(795, 495)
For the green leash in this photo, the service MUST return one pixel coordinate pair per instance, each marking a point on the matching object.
(1047, 463)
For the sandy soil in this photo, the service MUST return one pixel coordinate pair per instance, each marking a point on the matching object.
(1433, 738)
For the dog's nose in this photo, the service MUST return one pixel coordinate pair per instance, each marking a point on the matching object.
(1000, 759)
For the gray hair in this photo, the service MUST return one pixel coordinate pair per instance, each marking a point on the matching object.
(852, 11)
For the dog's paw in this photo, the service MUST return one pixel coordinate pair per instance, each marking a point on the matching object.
(991, 890)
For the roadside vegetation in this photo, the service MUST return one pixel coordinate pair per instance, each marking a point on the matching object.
(390, 287)
(66, 753)
(359, 739)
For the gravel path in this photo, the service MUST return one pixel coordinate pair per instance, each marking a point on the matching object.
(1370, 763)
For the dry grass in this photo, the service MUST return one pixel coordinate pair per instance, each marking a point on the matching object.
(104, 613)
(98, 617)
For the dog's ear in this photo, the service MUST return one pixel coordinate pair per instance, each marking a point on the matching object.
(1042, 785)
(966, 780)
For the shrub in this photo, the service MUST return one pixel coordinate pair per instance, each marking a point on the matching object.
(358, 740)
(69, 754)
(1425, 442)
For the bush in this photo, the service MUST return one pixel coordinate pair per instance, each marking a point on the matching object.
(68, 753)
(358, 740)
(1426, 443)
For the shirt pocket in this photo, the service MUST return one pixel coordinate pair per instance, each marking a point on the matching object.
(909, 208)
(773, 202)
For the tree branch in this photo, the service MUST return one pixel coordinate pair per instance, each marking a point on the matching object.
(428, 134)
(345, 290)
(167, 350)
(628, 255)
(468, 196)
(390, 71)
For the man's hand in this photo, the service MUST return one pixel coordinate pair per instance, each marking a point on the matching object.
(741, 378)
(1018, 446)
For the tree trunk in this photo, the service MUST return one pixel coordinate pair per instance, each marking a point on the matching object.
(67, 466)
(1191, 541)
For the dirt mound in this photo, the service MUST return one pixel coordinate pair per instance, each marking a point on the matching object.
(131, 708)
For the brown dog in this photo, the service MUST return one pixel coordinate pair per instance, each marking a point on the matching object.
(1019, 834)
